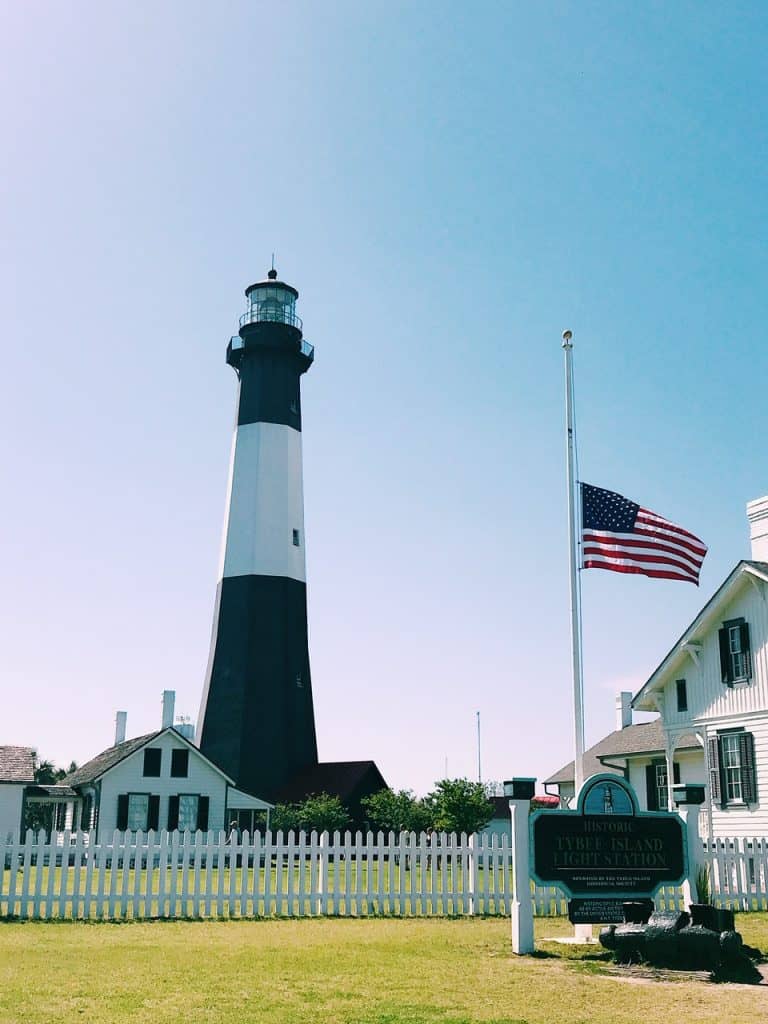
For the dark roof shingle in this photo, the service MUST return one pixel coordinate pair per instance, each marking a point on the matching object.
(17, 764)
(644, 738)
(107, 759)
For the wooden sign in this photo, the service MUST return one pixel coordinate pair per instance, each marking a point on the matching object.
(607, 848)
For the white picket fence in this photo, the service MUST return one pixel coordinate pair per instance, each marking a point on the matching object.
(204, 875)
(738, 872)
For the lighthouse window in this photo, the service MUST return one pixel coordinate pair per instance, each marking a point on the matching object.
(296, 540)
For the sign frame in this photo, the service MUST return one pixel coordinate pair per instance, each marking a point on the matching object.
(624, 799)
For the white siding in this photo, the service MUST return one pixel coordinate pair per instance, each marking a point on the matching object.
(741, 820)
(11, 799)
(708, 698)
(714, 706)
(127, 777)
(691, 770)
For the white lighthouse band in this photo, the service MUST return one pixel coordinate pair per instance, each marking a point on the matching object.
(264, 518)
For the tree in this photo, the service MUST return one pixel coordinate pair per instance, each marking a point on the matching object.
(458, 805)
(41, 815)
(320, 812)
(324, 813)
(397, 811)
(284, 818)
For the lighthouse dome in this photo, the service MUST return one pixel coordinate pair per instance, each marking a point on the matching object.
(273, 301)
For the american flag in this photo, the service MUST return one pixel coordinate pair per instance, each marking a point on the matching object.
(620, 535)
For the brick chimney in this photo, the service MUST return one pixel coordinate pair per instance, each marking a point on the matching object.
(757, 514)
(623, 709)
(121, 721)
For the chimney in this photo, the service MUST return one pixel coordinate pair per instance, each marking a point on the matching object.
(623, 709)
(757, 514)
(121, 720)
(169, 703)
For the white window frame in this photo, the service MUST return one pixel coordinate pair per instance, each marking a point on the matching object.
(131, 812)
(731, 767)
(737, 656)
(662, 786)
(185, 826)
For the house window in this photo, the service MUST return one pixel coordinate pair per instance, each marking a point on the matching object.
(152, 761)
(86, 814)
(657, 784)
(662, 787)
(732, 769)
(179, 764)
(138, 811)
(682, 695)
(735, 654)
(738, 656)
(187, 812)
(296, 540)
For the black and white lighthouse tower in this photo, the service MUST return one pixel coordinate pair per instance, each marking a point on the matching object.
(256, 717)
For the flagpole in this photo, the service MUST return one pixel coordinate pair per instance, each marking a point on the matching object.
(578, 683)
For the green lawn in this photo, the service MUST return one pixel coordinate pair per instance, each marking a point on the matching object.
(340, 972)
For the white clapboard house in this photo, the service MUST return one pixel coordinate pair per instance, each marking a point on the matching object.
(157, 781)
(711, 696)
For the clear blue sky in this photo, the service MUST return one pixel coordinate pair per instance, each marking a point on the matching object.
(449, 186)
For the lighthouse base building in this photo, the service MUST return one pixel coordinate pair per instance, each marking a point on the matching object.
(257, 715)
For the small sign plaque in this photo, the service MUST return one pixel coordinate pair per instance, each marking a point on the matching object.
(589, 911)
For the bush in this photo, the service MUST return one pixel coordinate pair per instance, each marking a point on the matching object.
(397, 811)
(320, 812)
(458, 805)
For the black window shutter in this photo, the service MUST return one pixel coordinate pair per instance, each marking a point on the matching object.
(748, 772)
(676, 772)
(746, 649)
(726, 674)
(202, 813)
(651, 793)
(122, 812)
(173, 813)
(715, 789)
(153, 814)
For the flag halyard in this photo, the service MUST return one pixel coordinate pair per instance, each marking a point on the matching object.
(621, 536)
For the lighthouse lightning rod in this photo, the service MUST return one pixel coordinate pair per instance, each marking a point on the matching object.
(572, 483)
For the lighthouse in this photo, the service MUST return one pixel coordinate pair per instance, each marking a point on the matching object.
(256, 716)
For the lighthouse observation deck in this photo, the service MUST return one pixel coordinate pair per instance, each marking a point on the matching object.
(271, 307)
(236, 344)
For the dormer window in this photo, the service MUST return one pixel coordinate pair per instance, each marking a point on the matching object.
(735, 653)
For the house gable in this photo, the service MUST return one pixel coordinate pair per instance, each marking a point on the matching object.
(127, 777)
(696, 658)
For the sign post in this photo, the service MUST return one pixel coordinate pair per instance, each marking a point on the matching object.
(520, 792)
(689, 799)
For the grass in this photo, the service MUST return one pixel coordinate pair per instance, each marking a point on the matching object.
(413, 971)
